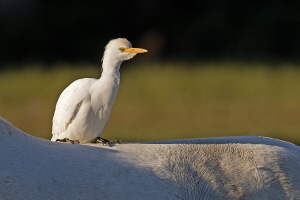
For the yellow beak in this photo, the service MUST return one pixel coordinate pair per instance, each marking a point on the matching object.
(135, 50)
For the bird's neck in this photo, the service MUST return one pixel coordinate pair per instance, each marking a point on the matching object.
(106, 88)
(111, 67)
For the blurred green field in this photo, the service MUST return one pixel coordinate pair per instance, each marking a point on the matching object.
(167, 101)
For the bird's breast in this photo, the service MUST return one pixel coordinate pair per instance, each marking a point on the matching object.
(103, 94)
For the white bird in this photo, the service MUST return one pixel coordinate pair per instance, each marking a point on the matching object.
(84, 107)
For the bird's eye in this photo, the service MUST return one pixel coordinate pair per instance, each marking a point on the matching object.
(122, 49)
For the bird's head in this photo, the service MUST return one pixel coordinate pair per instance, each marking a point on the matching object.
(121, 49)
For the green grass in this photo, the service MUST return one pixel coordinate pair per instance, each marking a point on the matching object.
(167, 101)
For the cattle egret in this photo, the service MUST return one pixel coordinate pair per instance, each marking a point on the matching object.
(84, 107)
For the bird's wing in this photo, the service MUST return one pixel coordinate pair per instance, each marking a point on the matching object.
(69, 104)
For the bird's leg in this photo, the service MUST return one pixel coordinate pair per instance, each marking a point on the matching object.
(105, 141)
(68, 141)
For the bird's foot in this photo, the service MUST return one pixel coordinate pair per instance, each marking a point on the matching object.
(105, 141)
(68, 141)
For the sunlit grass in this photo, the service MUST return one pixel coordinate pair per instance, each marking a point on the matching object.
(167, 101)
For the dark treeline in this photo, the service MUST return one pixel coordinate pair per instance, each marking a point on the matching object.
(51, 31)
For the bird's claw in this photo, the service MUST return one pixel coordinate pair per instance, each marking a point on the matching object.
(68, 141)
(105, 141)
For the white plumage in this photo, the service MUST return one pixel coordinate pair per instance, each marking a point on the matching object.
(84, 107)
